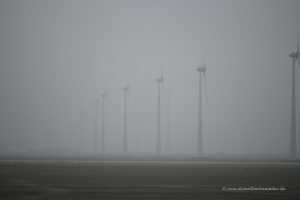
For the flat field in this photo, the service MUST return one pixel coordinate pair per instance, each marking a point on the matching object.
(151, 179)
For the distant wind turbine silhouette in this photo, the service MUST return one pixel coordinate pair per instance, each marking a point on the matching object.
(293, 144)
(104, 95)
(126, 90)
(202, 71)
(97, 101)
(159, 81)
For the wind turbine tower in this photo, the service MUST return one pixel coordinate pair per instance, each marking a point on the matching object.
(97, 101)
(202, 71)
(126, 90)
(295, 58)
(104, 95)
(159, 81)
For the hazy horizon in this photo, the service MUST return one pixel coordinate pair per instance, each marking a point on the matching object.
(59, 56)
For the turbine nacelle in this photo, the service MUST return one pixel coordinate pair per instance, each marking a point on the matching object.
(160, 79)
(104, 95)
(126, 88)
(295, 55)
(202, 69)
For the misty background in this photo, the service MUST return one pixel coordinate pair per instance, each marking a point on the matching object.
(57, 57)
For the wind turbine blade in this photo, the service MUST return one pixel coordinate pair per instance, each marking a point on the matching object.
(163, 80)
(297, 36)
(204, 76)
(129, 91)
(161, 72)
(128, 88)
(162, 89)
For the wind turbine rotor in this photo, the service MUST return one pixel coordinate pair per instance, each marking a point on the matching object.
(204, 76)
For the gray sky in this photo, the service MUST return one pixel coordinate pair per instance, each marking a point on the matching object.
(56, 56)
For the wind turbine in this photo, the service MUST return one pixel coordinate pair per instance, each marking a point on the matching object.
(202, 71)
(126, 90)
(104, 95)
(295, 57)
(159, 81)
(97, 101)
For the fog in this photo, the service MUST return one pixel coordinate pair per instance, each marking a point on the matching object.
(57, 57)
